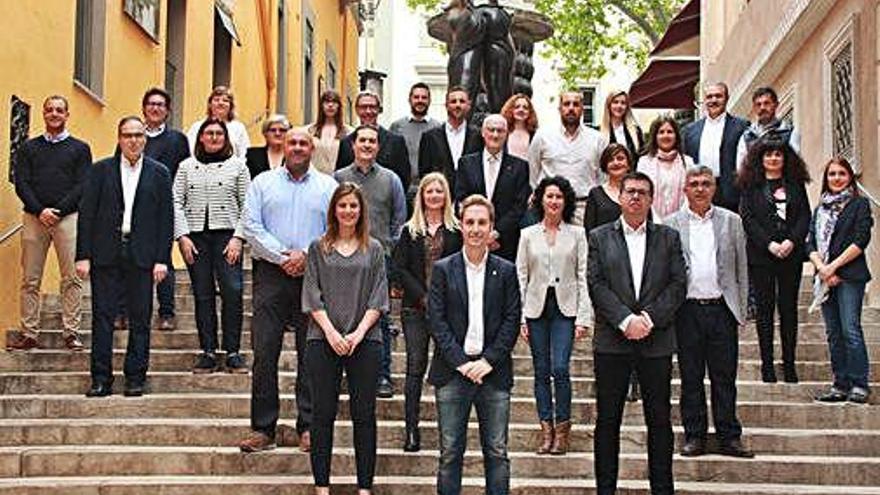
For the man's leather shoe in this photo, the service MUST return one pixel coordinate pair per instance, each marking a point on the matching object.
(134, 389)
(72, 343)
(305, 441)
(166, 323)
(384, 390)
(21, 342)
(735, 448)
(257, 442)
(694, 447)
(100, 390)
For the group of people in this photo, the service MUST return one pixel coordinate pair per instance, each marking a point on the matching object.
(487, 234)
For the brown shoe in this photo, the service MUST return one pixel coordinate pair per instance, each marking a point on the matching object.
(166, 323)
(546, 438)
(257, 442)
(560, 441)
(20, 342)
(305, 441)
(120, 323)
(72, 342)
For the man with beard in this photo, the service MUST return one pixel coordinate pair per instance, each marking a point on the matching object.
(442, 147)
(414, 125)
(764, 105)
(571, 150)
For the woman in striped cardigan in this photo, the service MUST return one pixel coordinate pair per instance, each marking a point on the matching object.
(209, 194)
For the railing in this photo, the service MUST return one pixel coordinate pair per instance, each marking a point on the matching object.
(9, 233)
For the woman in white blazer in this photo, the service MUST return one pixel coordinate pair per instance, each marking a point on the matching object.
(552, 268)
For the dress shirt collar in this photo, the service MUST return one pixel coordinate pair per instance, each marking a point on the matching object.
(56, 138)
(480, 265)
(132, 166)
(455, 130)
(627, 230)
(293, 179)
(717, 120)
(413, 118)
(696, 216)
(567, 135)
(496, 156)
(151, 133)
(370, 169)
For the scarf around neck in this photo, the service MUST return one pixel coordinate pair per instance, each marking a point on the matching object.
(830, 207)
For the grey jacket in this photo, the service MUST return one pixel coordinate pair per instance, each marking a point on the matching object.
(730, 255)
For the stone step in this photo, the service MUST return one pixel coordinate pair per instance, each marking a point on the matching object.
(760, 414)
(383, 485)
(176, 382)
(100, 460)
(187, 338)
(522, 437)
(183, 360)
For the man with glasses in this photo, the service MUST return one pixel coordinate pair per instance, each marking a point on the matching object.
(707, 326)
(49, 171)
(637, 280)
(124, 243)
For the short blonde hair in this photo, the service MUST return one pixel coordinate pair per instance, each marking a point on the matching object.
(477, 200)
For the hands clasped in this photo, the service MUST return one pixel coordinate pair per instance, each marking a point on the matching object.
(475, 371)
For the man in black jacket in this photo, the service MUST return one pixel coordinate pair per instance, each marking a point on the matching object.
(501, 177)
(637, 279)
(441, 147)
(474, 310)
(125, 232)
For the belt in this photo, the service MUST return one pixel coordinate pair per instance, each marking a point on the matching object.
(707, 302)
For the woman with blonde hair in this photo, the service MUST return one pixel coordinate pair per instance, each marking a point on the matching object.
(221, 106)
(345, 292)
(619, 125)
(522, 121)
(432, 233)
(328, 131)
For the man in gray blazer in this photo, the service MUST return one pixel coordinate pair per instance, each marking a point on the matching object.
(707, 324)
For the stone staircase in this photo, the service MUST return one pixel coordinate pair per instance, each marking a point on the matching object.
(182, 438)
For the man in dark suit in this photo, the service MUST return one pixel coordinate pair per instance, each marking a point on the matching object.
(501, 177)
(474, 310)
(124, 241)
(392, 153)
(637, 280)
(712, 140)
(441, 147)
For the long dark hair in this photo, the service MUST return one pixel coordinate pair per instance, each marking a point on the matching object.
(568, 196)
(843, 162)
(751, 173)
(653, 148)
(361, 230)
(199, 148)
(329, 95)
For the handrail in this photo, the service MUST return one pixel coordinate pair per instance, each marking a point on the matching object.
(864, 191)
(9, 233)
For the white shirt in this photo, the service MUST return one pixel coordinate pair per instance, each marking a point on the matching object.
(636, 244)
(151, 133)
(476, 278)
(710, 142)
(455, 138)
(703, 272)
(491, 168)
(575, 157)
(56, 138)
(620, 134)
(130, 175)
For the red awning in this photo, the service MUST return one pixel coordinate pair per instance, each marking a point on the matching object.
(683, 27)
(666, 84)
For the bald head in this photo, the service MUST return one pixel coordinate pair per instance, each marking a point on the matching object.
(494, 132)
(298, 148)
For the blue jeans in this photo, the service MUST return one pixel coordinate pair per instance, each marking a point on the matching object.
(211, 264)
(846, 343)
(551, 338)
(454, 401)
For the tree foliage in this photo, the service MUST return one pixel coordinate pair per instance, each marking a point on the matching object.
(591, 33)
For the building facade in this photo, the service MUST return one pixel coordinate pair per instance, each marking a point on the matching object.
(822, 58)
(276, 55)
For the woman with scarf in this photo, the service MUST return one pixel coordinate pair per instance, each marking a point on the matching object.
(839, 234)
(666, 165)
(776, 216)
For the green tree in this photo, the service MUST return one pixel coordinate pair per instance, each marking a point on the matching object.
(591, 33)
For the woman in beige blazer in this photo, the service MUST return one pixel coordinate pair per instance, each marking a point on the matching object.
(552, 268)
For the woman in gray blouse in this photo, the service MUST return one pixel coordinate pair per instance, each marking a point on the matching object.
(345, 291)
(209, 193)
(552, 267)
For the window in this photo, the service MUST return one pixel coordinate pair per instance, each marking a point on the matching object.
(589, 93)
(308, 70)
(842, 103)
(332, 64)
(175, 37)
(281, 76)
(331, 75)
(222, 69)
(88, 64)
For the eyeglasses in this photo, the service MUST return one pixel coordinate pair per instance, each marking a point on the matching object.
(705, 184)
(213, 133)
(633, 192)
(277, 130)
(159, 104)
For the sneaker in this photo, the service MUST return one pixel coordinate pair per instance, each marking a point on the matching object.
(205, 363)
(257, 442)
(72, 343)
(235, 363)
(20, 342)
(859, 395)
(385, 390)
(166, 323)
(833, 394)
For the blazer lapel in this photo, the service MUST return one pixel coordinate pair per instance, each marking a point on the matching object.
(459, 278)
(489, 289)
(650, 240)
(116, 184)
(627, 266)
(685, 233)
(140, 191)
(444, 146)
(480, 179)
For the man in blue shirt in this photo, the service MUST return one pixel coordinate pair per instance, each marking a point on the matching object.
(285, 210)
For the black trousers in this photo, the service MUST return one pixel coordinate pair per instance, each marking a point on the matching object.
(612, 381)
(708, 337)
(777, 284)
(362, 375)
(108, 282)
(415, 330)
(277, 302)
